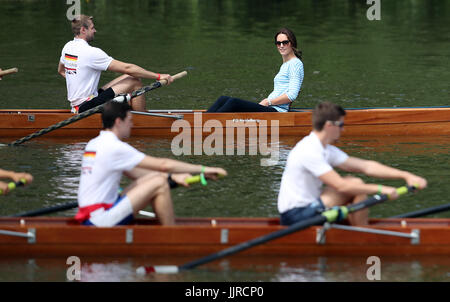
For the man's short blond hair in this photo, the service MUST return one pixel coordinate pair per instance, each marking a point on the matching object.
(81, 21)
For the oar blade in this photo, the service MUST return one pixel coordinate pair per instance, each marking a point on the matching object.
(159, 269)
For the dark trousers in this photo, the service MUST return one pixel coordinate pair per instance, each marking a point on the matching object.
(229, 104)
(102, 97)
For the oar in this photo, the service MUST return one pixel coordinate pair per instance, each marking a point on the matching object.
(424, 212)
(47, 210)
(331, 215)
(119, 98)
(13, 185)
(176, 117)
(8, 71)
(71, 205)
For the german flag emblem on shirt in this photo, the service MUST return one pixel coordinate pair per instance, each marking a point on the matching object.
(70, 57)
(89, 154)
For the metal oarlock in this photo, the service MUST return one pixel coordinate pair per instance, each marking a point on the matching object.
(123, 97)
(414, 235)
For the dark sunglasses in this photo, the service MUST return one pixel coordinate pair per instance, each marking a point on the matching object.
(285, 42)
(340, 124)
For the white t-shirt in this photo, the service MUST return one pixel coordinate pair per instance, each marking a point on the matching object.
(83, 64)
(104, 160)
(300, 184)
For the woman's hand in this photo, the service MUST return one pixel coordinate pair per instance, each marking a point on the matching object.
(264, 102)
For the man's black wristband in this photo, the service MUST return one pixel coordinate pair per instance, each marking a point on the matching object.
(172, 183)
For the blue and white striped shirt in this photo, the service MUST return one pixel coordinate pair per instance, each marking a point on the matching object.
(288, 80)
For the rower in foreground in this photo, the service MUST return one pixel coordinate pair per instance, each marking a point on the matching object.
(107, 157)
(311, 164)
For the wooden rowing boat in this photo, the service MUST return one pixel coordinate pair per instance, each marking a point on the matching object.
(359, 122)
(56, 236)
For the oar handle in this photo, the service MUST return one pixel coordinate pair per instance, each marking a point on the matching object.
(339, 213)
(406, 189)
(198, 178)
(174, 77)
(13, 185)
(8, 71)
(191, 180)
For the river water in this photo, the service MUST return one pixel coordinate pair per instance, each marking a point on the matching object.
(227, 49)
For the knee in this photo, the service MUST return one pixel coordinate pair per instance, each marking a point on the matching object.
(353, 179)
(161, 183)
(158, 179)
(158, 182)
(136, 82)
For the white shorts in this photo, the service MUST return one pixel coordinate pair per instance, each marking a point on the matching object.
(121, 213)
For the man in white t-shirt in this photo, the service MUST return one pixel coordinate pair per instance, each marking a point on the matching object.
(311, 164)
(81, 65)
(107, 157)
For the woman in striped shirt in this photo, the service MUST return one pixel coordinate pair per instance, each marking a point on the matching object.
(287, 82)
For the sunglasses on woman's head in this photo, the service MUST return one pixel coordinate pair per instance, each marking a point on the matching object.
(285, 42)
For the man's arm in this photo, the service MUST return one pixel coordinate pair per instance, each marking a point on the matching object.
(353, 186)
(61, 70)
(168, 165)
(136, 71)
(16, 176)
(375, 169)
(138, 172)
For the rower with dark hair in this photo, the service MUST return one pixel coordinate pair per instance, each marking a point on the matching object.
(107, 157)
(311, 164)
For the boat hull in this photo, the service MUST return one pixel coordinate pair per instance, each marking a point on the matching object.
(359, 122)
(201, 236)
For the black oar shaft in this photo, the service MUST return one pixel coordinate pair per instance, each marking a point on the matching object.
(331, 215)
(48, 210)
(66, 122)
(316, 220)
(71, 205)
(424, 212)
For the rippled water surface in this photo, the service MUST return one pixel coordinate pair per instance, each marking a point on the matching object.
(227, 49)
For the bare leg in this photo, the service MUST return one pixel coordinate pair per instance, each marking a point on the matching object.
(152, 189)
(331, 198)
(127, 84)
